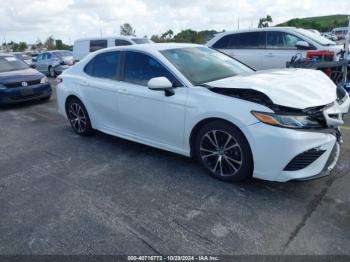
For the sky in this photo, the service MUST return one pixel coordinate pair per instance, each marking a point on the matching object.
(71, 19)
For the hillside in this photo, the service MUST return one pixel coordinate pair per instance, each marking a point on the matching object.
(321, 23)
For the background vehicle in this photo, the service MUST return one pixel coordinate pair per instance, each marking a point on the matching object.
(330, 36)
(196, 101)
(340, 32)
(54, 62)
(314, 31)
(272, 47)
(34, 56)
(84, 46)
(24, 57)
(19, 82)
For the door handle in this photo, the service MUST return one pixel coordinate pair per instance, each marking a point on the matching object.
(123, 91)
(270, 55)
(84, 83)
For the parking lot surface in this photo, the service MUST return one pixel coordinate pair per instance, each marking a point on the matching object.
(65, 194)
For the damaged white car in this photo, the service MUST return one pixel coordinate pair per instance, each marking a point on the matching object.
(275, 125)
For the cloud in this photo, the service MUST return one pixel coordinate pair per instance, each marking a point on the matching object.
(71, 19)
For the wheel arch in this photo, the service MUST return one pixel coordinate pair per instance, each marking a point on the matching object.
(69, 98)
(205, 121)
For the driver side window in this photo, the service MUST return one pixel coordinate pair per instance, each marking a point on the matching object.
(140, 68)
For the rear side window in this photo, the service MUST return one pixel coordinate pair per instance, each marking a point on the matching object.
(97, 45)
(140, 68)
(121, 42)
(104, 65)
(249, 40)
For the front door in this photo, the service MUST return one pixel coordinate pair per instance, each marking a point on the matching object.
(148, 114)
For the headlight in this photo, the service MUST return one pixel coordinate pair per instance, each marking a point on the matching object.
(288, 121)
(44, 80)
(2, 87)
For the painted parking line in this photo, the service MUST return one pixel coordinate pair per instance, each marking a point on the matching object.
(345, 128)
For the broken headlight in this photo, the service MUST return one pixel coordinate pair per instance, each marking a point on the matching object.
(288, 121)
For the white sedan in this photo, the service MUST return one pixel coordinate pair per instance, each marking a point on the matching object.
(275, 125)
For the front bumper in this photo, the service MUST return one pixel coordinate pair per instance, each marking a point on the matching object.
(21, 94)
(273, 148)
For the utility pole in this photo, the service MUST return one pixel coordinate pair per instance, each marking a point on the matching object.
(346, 46)
(238, 23)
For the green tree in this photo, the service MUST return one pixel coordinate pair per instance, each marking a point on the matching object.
(50, 43)
(264, 21)
(22, 46)
(127, 29)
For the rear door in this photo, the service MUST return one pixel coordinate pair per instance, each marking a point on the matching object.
(100, 90)
(280, 48)
(246, 47)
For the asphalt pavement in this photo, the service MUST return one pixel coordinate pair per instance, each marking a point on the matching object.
(65, 194)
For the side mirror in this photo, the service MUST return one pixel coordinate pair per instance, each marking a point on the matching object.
(32, 66)
(302, 45)
(161, 84)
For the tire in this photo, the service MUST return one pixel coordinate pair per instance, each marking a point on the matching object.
(52, 72)
(224, 152)
(45, 98)
(78, 117)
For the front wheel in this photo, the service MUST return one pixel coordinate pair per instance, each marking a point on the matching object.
(78, 117)
(224, 151)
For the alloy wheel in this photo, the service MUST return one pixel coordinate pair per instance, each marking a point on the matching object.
(221, 153)
(77, 117)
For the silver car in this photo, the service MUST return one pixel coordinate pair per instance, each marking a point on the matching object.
(53, 63)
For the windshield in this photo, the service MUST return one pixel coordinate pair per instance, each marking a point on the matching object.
(63, 53)
(11, 63)
(201, 64)
(141, 40)
(317, 38)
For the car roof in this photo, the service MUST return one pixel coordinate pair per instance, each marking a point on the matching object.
(275, 28)
(150, 47)
(108, 37)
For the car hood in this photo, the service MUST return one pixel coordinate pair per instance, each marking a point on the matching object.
(295, 88)
(27, 74)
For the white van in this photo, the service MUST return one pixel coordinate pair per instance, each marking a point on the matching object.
(84, 46)
(272, 47)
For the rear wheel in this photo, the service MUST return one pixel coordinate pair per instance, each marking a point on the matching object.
(78, 117)
(224, 151)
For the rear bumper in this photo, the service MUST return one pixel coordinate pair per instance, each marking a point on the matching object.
(22, 94)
